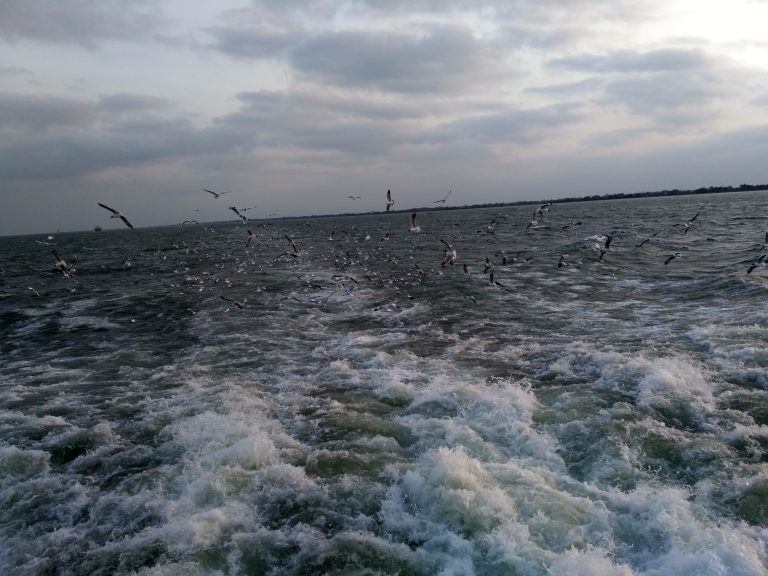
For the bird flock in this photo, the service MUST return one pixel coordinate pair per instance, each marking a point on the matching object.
(361, 257)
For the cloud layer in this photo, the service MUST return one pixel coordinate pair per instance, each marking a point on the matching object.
(297, 100)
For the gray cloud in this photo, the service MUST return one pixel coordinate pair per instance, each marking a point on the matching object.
(40, 112)
(627, 61)
(80, 22)
(442, 60)
(665, 91)
(568, 88)
(512, 126)
(71, 154)
(254, 41)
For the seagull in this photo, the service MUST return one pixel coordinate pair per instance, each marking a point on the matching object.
(354, 197)
(605, 246)
(390, 202)
(499, 284)
(688, 223)
(444, 198)
(116, 214)
(541, 210)
(671, 257)
(757, 262)
(293, 244)
(450, 254)
(468, 296)
(571, 226)
(215, 194)
(60, 264)
(250, 238)
(562, 263)
(414, 228)
(240, 305)
(236, 211)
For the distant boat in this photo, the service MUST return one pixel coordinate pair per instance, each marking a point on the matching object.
(97, 229)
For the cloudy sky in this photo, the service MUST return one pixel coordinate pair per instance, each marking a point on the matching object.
(292, 105)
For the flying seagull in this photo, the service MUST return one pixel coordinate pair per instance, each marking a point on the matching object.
(687, 224)
(444, 198)
(541, 210)
(215, 194)
(413, 227)
(757, 262)
(236, 211)
(354, 197)
(671, 257)
(605, 246)
(450, 254)
(390, 202)
(60, 264)
(116, 214)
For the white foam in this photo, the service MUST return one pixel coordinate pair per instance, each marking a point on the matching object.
(18, 463)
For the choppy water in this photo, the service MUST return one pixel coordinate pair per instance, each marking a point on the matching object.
(361, 410)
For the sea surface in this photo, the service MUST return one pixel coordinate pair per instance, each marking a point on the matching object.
(185, 402)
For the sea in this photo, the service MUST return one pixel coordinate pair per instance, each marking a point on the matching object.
(340, 395)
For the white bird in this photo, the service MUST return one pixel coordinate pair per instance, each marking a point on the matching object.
(605, 246)
(687, 224)
(541, 210)
(116, 214)
(390, 202)
(414, 228)
(60, 264)
(450, 254)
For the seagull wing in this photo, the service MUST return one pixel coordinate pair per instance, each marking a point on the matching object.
(108, 208)
(124, 219)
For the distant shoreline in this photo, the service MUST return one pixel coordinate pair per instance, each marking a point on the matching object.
(591, 198)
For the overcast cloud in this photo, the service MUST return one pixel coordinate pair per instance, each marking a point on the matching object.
(294, 105)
